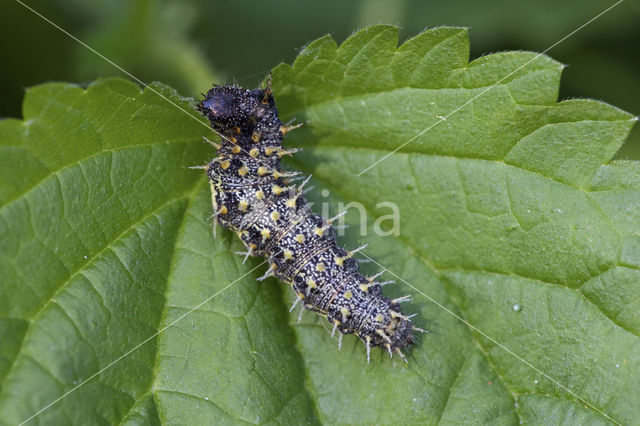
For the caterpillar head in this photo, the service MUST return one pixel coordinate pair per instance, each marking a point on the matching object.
(229, 107)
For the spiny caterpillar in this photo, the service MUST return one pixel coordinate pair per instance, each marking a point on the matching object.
(254, 197)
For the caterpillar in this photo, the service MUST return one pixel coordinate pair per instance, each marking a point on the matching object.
(253, 196)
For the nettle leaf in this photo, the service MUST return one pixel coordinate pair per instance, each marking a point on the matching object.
(511, 202)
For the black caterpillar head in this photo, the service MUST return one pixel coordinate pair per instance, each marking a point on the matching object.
(241, 111)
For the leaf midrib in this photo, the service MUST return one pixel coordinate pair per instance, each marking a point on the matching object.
(149, 391)
(31, 321)
(95, 155)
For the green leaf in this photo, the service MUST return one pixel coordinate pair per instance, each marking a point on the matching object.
(512, 200)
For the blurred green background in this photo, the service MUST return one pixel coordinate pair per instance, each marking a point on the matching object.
(190, 44)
